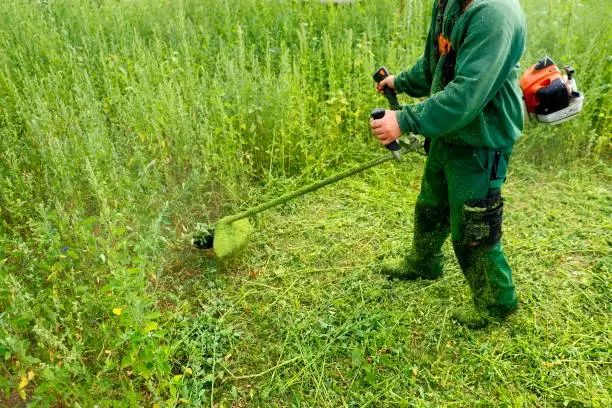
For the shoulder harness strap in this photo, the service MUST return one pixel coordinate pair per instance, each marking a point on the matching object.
(443, 46)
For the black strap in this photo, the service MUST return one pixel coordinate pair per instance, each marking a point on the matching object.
(427, 145)
(448, 69)
(439, 26)
(495, 165)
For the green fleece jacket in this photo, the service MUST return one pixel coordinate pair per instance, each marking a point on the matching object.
(482, 105)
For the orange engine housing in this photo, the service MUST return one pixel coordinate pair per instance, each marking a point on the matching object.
(538, 76)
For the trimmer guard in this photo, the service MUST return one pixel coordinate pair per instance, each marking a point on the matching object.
(231, 238)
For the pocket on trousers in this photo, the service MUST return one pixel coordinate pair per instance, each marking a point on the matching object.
(482, 221)
(470, 160)
(482, 158)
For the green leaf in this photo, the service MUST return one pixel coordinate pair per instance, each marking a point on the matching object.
(150, 326)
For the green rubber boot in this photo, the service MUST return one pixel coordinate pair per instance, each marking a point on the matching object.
(471, 317)
(489, 276)
(476, 318)
(425, 260)
(490, 279)
(412, 269)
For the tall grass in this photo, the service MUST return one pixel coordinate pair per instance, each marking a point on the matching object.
(123, 123)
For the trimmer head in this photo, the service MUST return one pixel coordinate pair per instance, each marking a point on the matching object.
(230, 238)
(203, 236)
(227, 239)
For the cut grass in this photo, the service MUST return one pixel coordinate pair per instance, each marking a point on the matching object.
(319, 327)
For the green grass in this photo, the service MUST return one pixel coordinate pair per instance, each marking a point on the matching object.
(125, 123)
(311, 315)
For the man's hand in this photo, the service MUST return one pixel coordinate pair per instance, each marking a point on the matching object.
(387, 128)
(388, 81)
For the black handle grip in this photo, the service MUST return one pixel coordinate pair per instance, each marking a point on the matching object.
(394, 146)
(392, 98)
(380, 74)
(379, 113)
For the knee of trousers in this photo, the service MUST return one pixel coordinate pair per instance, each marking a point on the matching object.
(481, 223)
(429, 219)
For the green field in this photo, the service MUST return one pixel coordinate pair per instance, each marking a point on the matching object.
(125, 123)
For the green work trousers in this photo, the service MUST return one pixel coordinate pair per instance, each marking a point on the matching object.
(460, 196)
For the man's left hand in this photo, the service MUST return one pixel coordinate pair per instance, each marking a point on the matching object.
(387, 128)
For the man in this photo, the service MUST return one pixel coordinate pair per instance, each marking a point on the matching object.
(472, 120)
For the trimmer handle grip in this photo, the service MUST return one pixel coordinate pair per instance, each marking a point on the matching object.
(380, 74)
(379, 113)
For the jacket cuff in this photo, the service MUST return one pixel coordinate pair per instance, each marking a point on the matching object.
(400, 82)
(405, 122)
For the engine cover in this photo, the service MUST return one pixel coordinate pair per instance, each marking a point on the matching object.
(549, 96)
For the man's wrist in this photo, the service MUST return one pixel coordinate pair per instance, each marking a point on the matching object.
(404, 122)
(399, 83)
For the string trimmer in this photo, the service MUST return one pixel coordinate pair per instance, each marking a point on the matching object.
(231, 233)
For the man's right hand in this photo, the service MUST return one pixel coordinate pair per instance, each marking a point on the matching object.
(388, 81)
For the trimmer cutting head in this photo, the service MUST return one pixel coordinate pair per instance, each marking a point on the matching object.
(231, 238)
(203, 236)
(226, 239)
